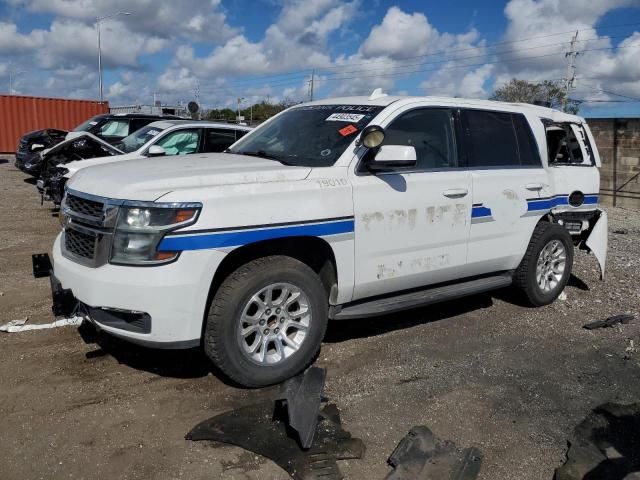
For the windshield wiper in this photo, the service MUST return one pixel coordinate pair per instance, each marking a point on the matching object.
(262, 154)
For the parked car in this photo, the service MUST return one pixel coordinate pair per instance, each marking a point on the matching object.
(337, 209)
(166, 137)
(30, 146)
(111, 127)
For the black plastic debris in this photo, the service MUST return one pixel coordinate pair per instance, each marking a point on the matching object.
(609, 322)
(302, 396)
(605, 446)
(422, 456)
(265, 429)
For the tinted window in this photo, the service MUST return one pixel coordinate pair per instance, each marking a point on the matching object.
(88, 125)
(313, 135)
(138, 123)
(430, 131)
(218, 140)
(180, 142)
(527, 146)
(491, 139)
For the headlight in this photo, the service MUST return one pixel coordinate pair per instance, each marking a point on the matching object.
(139, 230)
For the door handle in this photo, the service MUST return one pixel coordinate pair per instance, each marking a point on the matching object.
(536, 187)
(456, 192)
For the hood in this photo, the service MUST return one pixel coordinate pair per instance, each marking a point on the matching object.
(77, 136)
(150, 178)
(36, 134)
(74, 166)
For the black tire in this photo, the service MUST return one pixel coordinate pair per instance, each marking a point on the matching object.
(221, 343)
(525, 275)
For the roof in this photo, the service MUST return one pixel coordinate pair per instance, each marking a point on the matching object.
(386, 100)
(198, 123)
(138, 115)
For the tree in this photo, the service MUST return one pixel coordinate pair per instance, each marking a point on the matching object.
(546, 93)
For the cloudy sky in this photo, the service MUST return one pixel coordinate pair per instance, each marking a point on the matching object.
(267, 49)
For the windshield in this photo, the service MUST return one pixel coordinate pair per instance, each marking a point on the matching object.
(138, 138)
(314, 135)
(89, 125)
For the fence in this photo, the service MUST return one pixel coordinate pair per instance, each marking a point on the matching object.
(618, 141)
(19, 115)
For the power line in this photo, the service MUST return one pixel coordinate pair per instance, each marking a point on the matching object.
(305, 73)
(337, 76)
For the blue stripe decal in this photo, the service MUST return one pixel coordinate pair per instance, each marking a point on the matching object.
(558, 200)
(243, 237)
(480, 211)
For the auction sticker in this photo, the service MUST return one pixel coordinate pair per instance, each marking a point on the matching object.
(345, 117)
(348, 130)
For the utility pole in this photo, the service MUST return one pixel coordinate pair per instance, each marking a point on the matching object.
(571, 70)
(313, 74)
(98, 20)
(239, 100)
(196, 92)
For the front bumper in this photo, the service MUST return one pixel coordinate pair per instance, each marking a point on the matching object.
(173, 296)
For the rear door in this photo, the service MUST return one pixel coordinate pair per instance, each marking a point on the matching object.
(509, 183)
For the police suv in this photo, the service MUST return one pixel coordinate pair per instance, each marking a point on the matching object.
(337, 209)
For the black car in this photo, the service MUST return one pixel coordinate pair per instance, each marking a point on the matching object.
(111, 127)
(32, 143)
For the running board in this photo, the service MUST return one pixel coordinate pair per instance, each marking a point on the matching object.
(383, 306)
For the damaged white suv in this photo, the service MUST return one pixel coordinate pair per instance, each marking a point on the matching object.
(337, 209)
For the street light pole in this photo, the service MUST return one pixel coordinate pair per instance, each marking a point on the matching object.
(98, 20)
(11, 75)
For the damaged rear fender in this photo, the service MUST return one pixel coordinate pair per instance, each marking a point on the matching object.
(597, 241)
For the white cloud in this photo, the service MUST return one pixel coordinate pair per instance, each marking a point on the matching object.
(296, 40)
(406, 44)
(400, 35)
(195, 19)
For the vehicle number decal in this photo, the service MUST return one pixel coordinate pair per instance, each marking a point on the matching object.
(345, 117)
(332, 182)
(153, 133)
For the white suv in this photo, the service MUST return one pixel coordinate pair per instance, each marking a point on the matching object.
(337, 209)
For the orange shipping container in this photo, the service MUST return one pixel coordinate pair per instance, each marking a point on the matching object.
(19, 115)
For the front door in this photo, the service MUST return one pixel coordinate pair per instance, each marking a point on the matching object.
(412, 227)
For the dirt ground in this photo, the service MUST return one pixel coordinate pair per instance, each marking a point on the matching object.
(483, 371)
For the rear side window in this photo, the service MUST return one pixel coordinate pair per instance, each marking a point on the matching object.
(218, 140)
(527, 146)
(430, 131)
(491, 139)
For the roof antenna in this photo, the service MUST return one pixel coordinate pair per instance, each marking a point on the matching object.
(377, 93)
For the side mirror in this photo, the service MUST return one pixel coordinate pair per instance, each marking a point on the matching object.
(156, 151)
(372, 136)
(36, 147)
(391, 157)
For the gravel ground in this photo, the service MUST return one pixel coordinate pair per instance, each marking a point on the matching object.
(483, 371)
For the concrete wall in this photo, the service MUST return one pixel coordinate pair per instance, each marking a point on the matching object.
(618, 141)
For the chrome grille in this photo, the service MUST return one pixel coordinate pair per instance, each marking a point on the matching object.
(80, 244)
(88, 223)
(84, 206)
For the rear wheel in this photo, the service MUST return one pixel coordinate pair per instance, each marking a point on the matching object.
(267, 321)
(546, 266)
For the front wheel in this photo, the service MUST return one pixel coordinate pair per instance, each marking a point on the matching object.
(546, 266)
(266, 321)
